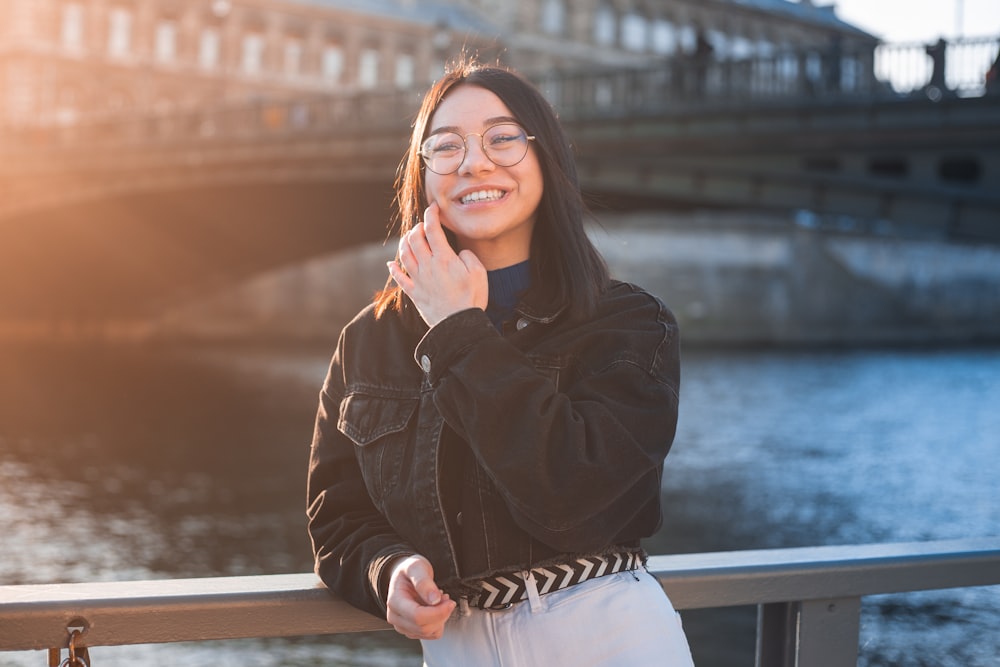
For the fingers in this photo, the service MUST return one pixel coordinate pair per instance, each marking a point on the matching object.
(414, 250)
(416, 607)
(399, 276)
(434, 231)
(421, 622)
(420, 574)
(437, 281)
(425, 240)
(472, 263)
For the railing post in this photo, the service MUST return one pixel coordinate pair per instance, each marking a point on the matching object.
(811, 633)
(828, 632)
(776, 623)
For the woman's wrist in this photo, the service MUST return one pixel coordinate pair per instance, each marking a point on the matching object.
(383, 567)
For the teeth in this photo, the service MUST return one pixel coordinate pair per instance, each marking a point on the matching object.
(482, 195)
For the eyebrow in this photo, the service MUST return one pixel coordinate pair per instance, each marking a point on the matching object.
(489, 122)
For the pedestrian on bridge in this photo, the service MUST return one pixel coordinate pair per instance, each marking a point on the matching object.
(490, 439)
(936, 88)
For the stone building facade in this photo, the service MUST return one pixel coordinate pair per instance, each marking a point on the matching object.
(63, 60)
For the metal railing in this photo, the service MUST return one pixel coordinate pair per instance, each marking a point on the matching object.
(808, 599)
(910, 68)
(796, 77)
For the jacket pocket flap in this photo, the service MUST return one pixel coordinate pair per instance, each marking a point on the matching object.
(365, 418)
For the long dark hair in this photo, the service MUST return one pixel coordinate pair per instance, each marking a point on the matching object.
(567, 269)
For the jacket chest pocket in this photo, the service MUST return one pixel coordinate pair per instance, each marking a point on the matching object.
(377, 425)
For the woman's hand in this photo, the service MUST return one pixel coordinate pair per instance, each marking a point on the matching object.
(417, 608)
(439, 282)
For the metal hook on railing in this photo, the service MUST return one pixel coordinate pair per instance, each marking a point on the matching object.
(79, 656)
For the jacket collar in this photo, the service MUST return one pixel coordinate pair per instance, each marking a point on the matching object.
(539, 311)
(533, 309)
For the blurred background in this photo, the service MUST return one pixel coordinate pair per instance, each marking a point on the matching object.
(195, 196)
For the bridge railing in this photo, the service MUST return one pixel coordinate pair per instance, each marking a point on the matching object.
(909, 68)
(808, 600)
(799, 77)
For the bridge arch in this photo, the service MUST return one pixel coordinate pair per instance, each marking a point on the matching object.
(133, 254)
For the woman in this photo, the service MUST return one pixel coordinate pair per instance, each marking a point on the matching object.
(491, 434)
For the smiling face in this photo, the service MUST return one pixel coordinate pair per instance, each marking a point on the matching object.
(490, 209)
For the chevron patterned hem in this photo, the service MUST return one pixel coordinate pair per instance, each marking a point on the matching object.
(502, 590)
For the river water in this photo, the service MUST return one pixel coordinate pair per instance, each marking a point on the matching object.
(137, 462)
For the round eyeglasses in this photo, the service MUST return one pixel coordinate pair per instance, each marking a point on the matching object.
(505, 144)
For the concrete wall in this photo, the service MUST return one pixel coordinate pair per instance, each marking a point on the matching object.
(781, 283)
(769, 282)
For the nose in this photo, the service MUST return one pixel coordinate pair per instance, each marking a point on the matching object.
(475, 159)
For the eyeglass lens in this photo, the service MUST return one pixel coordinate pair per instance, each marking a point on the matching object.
(505, 145)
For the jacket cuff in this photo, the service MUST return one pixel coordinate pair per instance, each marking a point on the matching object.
(449, 339)
(380, 572)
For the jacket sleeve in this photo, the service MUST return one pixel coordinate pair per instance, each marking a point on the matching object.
(353, 544)
(575, 464)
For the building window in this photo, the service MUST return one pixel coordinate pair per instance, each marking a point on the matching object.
(332, 64)
(166, 41)
(720, 43)
(208, 49)
(368, 68)
(852, 73)
(740, 47)
(788, 66)
(119, 32)
(554, 17)
(65, 112)
(20, 92)
(293, 57)
(813, 67)
(253, 53)
(663, 37)
(605, 25)
(687, 38)
(405, 71)
(635, 32)
(72, 26)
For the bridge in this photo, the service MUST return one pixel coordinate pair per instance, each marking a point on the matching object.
(119, 217)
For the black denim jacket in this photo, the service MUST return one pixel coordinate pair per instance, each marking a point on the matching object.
(487, 452)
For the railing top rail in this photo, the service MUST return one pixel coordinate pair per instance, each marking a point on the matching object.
(141, 612)
(815, 573)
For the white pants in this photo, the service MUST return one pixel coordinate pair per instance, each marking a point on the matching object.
(617, 620)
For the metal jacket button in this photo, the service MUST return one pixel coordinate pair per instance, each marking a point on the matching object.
(425, 363)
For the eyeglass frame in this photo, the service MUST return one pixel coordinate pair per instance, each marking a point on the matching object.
(482, 139)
